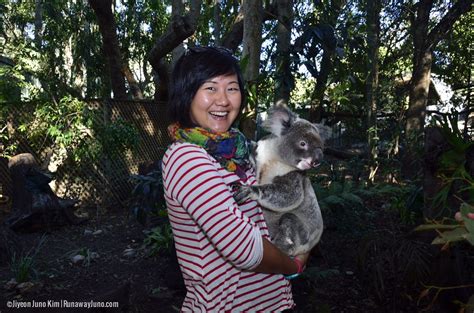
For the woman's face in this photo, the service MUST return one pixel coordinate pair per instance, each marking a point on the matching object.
(217, 103)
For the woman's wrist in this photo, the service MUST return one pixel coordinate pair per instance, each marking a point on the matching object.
(299, 264)
(299, 268)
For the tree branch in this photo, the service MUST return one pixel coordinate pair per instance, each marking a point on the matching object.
(445, 25)
(180, 28)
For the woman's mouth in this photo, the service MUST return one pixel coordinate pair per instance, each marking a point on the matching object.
(219, 114)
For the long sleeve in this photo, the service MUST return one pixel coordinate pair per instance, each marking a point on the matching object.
(193, 180)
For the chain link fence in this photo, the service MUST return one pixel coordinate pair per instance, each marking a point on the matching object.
(103, 178)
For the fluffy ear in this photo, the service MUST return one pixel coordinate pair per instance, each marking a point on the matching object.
(325, 132)
(279, 119)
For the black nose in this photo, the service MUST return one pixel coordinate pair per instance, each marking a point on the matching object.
(318, 157)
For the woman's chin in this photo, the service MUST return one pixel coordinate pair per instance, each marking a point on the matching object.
(219, 127)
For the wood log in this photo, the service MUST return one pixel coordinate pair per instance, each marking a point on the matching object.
(34, 204)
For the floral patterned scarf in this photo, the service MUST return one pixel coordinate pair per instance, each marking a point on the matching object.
(230, 149)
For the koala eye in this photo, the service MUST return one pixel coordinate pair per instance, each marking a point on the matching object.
(302, 143)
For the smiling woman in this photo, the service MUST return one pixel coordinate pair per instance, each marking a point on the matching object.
(217, 103)
(223, 248)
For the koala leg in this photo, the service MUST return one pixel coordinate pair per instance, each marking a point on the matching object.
(291, 234)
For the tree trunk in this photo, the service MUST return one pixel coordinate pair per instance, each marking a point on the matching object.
(284, 80)
(373, 32)
(252, 40)
(252, 43)
(38, 23)
(424, 43)
(110, 44)
(177, 9)
(317, 109)
(132, 82)
(217, 23)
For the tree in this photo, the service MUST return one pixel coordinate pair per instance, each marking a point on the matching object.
(284, 77)
(373, 32)
(252, 39)
(424, 42)
(319, 44)
(110, 46)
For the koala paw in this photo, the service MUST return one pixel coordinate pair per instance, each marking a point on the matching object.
(243, 193)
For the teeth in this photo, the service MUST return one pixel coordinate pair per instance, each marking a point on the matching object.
(219, 113)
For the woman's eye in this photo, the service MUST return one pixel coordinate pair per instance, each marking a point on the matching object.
(210, 88)
(233, 89)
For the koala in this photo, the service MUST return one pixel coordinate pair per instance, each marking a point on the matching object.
(283, 190)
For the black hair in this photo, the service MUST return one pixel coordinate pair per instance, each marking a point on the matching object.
(192, 69)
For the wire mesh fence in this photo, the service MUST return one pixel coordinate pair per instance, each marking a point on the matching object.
(101, 175)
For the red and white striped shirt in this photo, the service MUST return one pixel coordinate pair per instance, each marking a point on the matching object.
(217, 241)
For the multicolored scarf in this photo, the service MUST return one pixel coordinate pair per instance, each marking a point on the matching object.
(230, 149)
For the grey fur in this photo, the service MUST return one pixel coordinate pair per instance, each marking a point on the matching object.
(284, 191)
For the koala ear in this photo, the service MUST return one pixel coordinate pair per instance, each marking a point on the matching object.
(325, 132)
(279, 119)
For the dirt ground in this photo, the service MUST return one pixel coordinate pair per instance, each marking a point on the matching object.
(119, 269)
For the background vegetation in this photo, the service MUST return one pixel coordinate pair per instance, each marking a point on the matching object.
(383, 74)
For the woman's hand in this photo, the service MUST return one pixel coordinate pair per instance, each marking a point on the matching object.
(458, 216)
(303, 258)
(275, 261)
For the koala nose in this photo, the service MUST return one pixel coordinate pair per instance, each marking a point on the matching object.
(318, 157)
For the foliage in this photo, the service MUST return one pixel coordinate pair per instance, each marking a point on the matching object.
(449, 232)
(159, 239)
(388, 260)
(23, 266)
(147, 195)
(452, 164)
(405, 200)
(71, 129)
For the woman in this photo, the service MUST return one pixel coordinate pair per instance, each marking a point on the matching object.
(223, 249)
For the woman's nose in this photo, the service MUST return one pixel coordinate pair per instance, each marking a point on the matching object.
(222, 99)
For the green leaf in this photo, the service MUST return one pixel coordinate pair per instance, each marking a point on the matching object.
(435, 226)
(465, 209)
(470, 238)
(451, 236)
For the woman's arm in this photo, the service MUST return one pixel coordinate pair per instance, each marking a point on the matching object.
(276, 262)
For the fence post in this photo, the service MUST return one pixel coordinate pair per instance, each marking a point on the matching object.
(106, 164)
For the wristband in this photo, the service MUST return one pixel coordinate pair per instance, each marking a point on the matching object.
(299, 271)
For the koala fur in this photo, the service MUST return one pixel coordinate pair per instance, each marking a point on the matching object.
(284, 191)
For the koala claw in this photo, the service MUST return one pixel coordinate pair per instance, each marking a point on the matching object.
(242, 193)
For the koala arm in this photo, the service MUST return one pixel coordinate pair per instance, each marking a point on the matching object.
(285, 193)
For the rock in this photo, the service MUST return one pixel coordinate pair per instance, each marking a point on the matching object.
(25, 287)
(77, 258)
(94, 255)
(11, 284)
(87, 232)
(129, 253)
(350, 273)
(97, 232)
